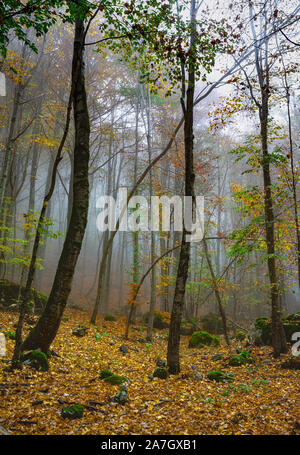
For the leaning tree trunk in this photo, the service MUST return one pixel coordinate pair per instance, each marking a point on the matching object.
(183, 265)
(45, 331)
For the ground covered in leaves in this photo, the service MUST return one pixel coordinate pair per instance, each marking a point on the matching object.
(261, 399)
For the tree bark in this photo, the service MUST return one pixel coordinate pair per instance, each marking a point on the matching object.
(183, 265)
(45, 331)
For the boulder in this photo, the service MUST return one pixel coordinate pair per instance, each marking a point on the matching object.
(202, 338)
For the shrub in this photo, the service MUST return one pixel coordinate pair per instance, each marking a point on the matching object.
(199, 339)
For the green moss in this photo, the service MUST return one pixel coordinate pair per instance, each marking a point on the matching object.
(240, 335)
(10, 335)
(199, 339)
(105, 374)
(160, 373)
(72, 412)
(35, 359)
(219, 376)
(291, 324)
(114, 379)
(241, 359)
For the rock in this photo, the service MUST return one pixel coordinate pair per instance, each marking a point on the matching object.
(124, 349)
(36, 359)
(240, 335)
(110, 317)
(122, 396)
(199, 339)
(160, 373)
(292, 363)
(197, 376)
(194, 367)
(212, 322)
(10, 293)
(260, 332)
(241, 359)
(219, 376)
(72, 412)
(80, 332)
(160, 320)
(161, 363)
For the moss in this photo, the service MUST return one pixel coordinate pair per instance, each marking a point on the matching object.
(199, 339)
(241, 359)
(114, 379)
(36, 359)
(240, 335)
(10, 335)
(110, 317)
(105, 374)
(219, 376)
(72, 412)
(291, 324)
(9, 293)
(159, 321)
(212, 322)
(160, 373)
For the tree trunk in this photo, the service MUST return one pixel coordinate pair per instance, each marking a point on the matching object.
(45, 331)
(183, 265)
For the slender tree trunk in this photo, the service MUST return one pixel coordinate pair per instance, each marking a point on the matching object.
(45, 331)
(183, 265)
(217, 294)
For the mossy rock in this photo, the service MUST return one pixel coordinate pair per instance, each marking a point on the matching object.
(80, 332)
(219, 376)
(72, 412)
(10, 335)
(160, 373)
(160, 321)
(110, 317)
(240, 335)
(114, 379)
(10, 293)
(261, 330)
(36, 359)
(189, 326)
(241, 359)
(105, 374)
(201, 338)
(212, 322)
(292, 363)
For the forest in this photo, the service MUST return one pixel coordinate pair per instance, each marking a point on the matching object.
(149, 217)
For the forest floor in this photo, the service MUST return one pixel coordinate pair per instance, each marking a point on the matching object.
(262, 399)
